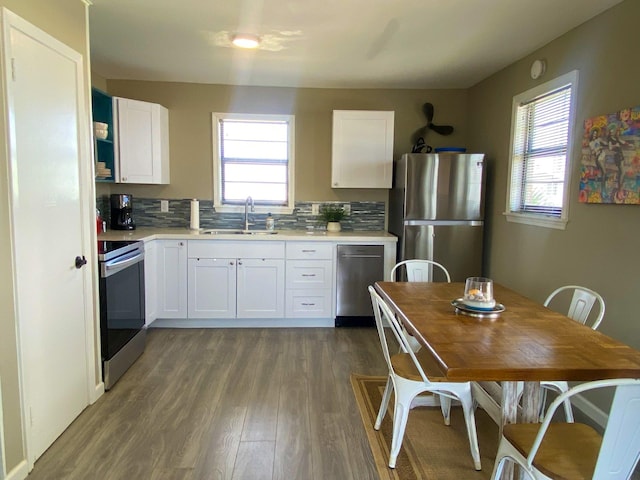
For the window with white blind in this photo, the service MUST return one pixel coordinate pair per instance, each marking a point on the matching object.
(541, 131)
(253, 157)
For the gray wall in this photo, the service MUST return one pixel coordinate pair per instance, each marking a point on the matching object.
(190, 129)
(599, 248)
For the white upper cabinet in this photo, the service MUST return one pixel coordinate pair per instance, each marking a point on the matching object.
(142, 141)
(362, 149)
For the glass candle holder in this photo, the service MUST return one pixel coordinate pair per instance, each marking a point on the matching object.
(478, 292)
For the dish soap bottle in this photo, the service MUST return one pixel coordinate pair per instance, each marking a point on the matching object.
(270, 223)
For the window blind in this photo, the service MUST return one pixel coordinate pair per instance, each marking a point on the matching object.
(254, 161)
(540, 154)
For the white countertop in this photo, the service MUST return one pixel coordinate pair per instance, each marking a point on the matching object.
(149, 233)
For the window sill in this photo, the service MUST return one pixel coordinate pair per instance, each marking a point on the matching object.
(257, 209)
(536, 220)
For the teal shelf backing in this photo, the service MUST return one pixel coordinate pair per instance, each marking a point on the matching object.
(102, 105)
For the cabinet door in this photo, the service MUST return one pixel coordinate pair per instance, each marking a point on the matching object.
(150, 282)
(142, 141)
(212, 287)
(172, 279)
(260, 292)
(362, 149)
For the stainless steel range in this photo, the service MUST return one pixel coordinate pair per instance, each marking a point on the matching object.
(122, 329)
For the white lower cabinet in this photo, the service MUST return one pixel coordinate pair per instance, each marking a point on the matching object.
(150, 282)
(212, 287)
(309, 284)
(229, 283)
(222, 285)
(172, 278)
(260, 288)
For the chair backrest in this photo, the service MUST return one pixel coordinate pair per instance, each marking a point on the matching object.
(620, 448)
(384, 315)
(581, 303)
(419, 270)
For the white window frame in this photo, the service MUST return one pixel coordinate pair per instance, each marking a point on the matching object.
(217, 164)
(529, 218)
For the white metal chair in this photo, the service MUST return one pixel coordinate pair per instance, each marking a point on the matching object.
(576, 450)
(419, 270)
(582, 303)
(411, 374)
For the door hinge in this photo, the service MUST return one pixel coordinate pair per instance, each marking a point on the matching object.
(13, 69)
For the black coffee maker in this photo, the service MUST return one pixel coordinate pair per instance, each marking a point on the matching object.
(121, 208)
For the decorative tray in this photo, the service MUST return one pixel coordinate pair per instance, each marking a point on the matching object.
(464, 309)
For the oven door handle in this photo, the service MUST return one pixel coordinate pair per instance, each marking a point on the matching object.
(114, 266)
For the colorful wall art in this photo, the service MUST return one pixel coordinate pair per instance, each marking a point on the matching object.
(610, 160)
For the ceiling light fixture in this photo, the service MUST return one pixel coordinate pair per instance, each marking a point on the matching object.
(245, 40)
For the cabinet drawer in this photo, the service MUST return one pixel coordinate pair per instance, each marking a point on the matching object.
(309, 251)
(309, 303)
(245, 249)
(309, 273)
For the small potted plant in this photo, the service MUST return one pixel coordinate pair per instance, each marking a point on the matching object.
(332, 214)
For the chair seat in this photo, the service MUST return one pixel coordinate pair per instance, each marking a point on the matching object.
(569, 451)
(403, 365)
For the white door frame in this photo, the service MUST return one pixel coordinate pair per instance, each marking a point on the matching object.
(95, 386)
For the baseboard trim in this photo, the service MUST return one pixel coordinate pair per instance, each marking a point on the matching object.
(590, 410)
(19, 472)
(242, 323)
(97, 393)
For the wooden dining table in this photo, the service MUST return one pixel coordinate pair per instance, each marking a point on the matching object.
(526, 343)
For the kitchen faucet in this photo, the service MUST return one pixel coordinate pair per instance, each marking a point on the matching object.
(246, 212)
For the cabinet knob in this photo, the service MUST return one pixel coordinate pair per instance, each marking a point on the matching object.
(181, 244)
(239, 262)
(230, 263)
(124, 179)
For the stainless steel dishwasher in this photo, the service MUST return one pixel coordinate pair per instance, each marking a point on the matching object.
(358, 267)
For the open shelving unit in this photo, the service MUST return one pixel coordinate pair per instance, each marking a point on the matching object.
(102, 104)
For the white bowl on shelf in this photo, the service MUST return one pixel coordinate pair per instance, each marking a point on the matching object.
(101, 130)
(101, 134)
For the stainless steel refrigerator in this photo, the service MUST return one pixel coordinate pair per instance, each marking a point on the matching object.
(436, 208)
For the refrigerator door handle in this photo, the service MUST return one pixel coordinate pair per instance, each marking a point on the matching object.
(418, 223)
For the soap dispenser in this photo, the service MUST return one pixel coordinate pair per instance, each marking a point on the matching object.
(270, 223)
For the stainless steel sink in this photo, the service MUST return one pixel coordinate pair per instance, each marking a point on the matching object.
(256, 232)
(222, 231)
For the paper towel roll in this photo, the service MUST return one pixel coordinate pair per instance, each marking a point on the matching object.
(195, 214)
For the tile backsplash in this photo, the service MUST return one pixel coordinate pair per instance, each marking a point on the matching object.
(367, 216)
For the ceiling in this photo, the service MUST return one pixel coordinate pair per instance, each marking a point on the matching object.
(327, 43)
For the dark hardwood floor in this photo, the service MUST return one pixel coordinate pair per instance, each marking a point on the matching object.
(227, 404)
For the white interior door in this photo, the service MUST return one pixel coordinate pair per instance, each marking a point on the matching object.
(45, 102)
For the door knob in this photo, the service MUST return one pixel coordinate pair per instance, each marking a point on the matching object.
(80, 262)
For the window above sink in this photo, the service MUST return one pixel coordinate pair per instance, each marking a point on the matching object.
(253, 155)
